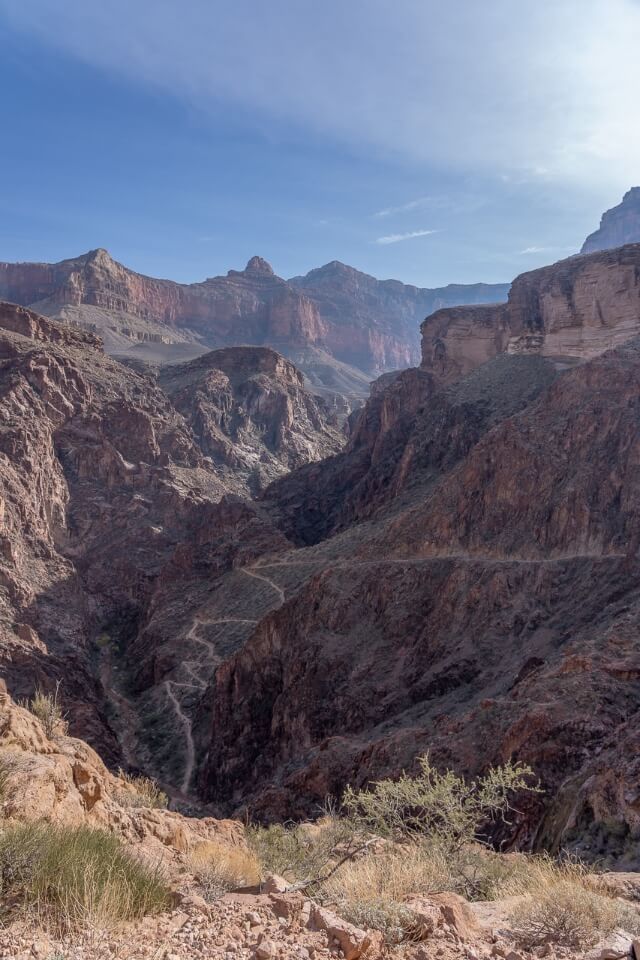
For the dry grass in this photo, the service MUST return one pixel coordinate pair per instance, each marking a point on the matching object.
(140, 792)
(220, 868)
(6, 769)
(47, 709)
(562, 902)
(372, 891)
(76, 876)
(565, 905)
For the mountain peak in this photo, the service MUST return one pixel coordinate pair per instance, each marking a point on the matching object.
(99, 256)
(257, 266)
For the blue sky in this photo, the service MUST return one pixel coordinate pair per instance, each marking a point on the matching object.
(428, 142)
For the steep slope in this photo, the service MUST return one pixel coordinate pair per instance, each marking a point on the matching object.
(462, 578)
(570, 312)
(104, 491)
(340, 323)
(98, 474)
(466, 582)
(618, 226)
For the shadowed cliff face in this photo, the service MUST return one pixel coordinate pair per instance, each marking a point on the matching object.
(487, 610)
(461, 578)
(618, 226)
(104, 485)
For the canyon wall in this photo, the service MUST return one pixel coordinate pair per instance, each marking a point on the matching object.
(569, 312)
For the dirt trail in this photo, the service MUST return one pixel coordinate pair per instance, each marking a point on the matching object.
(126, 720)
(462, 557)
(251, 572)
(188, 736)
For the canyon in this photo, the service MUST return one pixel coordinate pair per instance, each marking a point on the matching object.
(255, 609)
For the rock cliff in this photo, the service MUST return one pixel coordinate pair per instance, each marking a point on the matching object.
(569, 312)
(618, 226)
(461, 578)
(380, 318)
(485, 609)
(250, 414)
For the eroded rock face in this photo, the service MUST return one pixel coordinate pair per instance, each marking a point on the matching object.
(570, 312)
(618, 226)
(250, 414)
(462, 578)
(409, 434)
(61, 780)
(380, 318)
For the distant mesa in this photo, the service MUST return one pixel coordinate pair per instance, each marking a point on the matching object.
(341, 326)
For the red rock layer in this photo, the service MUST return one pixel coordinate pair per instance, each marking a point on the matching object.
(488, 611)
(368, 323)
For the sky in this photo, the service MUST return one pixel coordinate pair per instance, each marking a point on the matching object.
(429, 142)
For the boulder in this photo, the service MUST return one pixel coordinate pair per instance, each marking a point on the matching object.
(353, 941)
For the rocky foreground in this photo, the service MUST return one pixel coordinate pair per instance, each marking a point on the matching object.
(53, 779)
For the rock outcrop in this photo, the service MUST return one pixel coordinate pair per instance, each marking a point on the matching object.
(60, 780)
(618, 226)
(379, 318)
(250, 413)
(569, 312)
(461, 579)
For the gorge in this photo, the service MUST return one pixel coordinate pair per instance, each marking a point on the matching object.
(256, 610)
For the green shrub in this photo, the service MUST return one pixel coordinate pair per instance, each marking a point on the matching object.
(440, 806)
(76, 875)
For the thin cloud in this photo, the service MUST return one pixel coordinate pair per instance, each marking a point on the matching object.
(404, 207)
(398, 237)
(534, 250)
